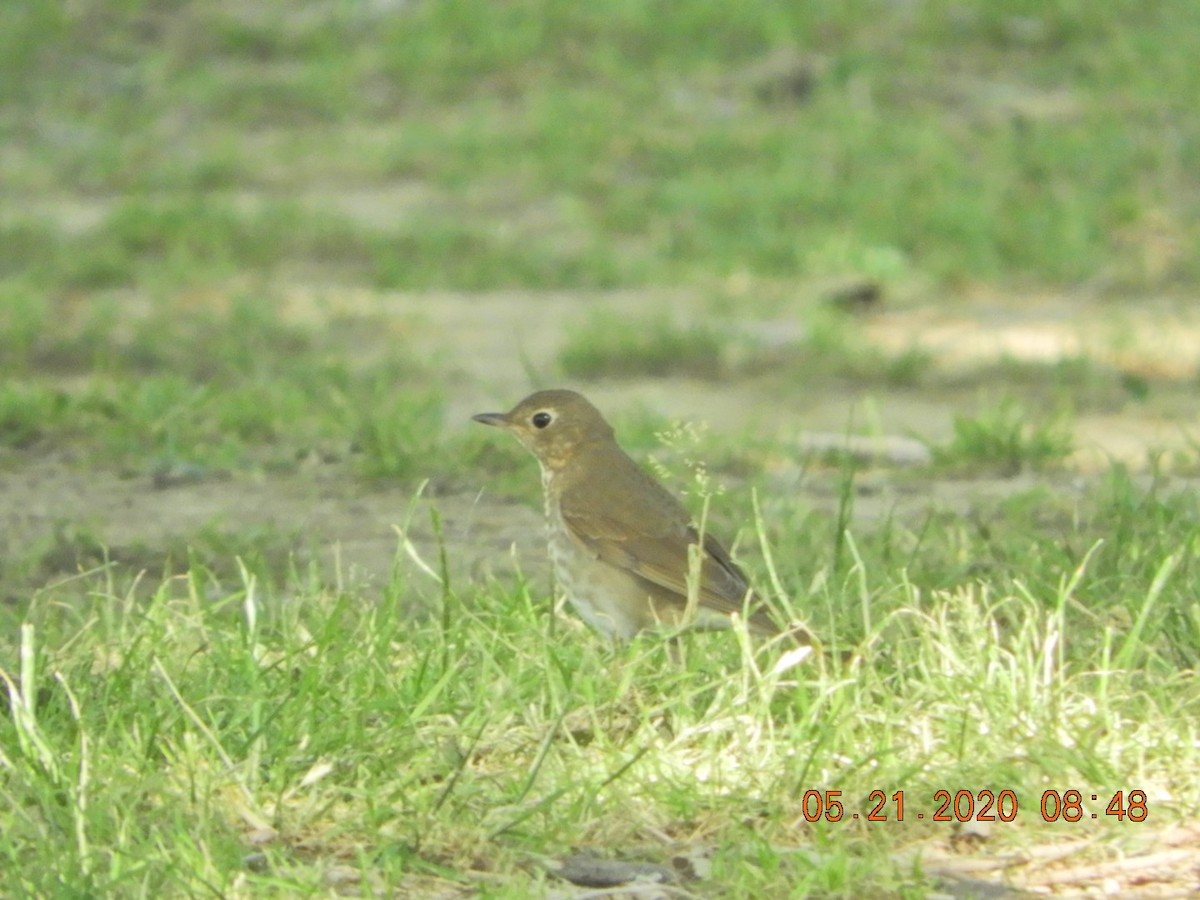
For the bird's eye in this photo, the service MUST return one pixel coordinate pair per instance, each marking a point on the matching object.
(541, 419)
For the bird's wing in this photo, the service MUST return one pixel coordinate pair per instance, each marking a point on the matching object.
(656, 548)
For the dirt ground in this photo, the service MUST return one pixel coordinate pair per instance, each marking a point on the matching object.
(324, 513)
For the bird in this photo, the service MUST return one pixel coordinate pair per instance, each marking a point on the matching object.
(620, 542)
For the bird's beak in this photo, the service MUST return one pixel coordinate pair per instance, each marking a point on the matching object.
(497, 419)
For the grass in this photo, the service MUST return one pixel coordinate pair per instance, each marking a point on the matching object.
(253, 741)
(608, 345)
(210, 712)
(1038, 131)
(225, 385)
(715, 346)
(832, 348)
(242, 723)
(1004, 438)
(215, 710)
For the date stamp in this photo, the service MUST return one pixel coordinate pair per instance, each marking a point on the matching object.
(974, 806)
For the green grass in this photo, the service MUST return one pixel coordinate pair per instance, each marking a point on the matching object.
(264, 742)
(608, 345)
(220, 712)
(832, 348)
(224, 385)
(55, 563)
(1040, 132)
(713, 346)
(1004, 438)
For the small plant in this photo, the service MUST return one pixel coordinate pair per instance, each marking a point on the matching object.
(1003, 438)
(609, 345)
(28, 412)
(396, 432)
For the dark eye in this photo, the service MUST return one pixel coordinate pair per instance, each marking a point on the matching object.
(541, 419)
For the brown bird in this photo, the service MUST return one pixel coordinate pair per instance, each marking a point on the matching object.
(619, 541)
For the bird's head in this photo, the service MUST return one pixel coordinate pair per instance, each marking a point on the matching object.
(553, 425)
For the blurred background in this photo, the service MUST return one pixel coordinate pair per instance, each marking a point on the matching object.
(260, 261)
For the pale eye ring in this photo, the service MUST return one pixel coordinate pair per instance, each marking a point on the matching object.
(541, 419)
